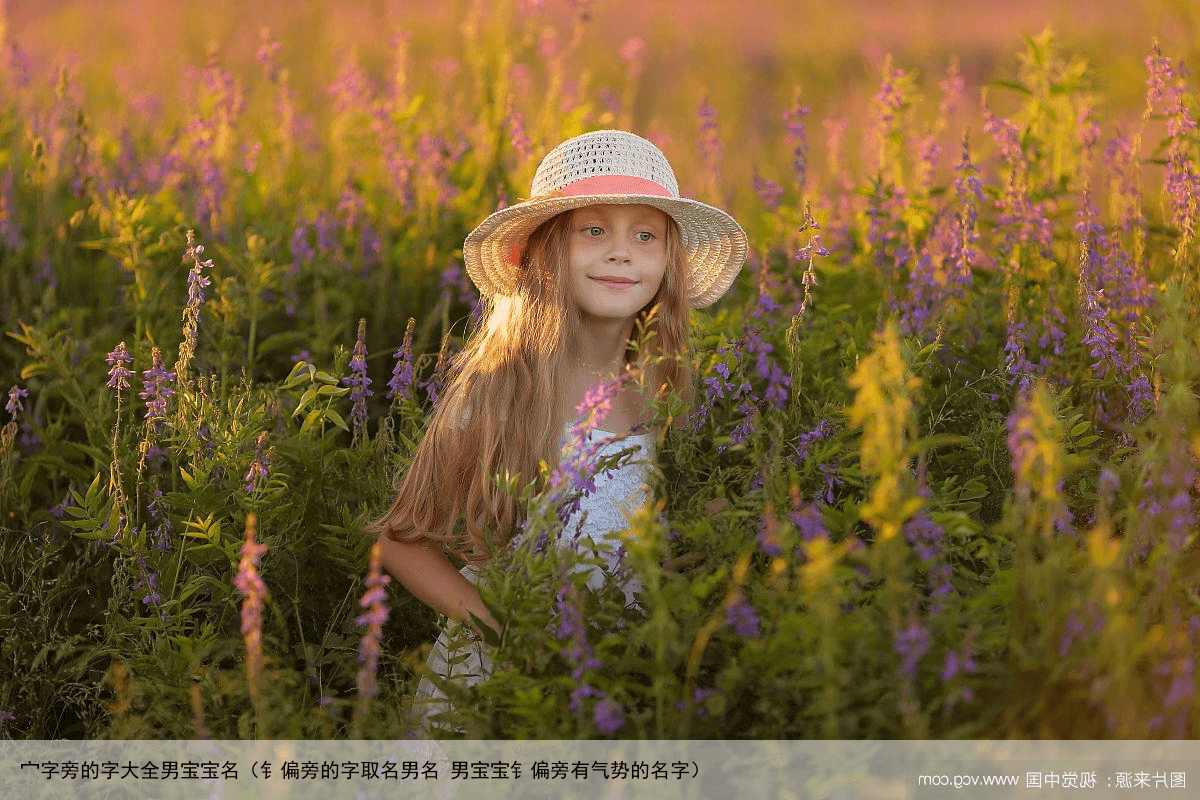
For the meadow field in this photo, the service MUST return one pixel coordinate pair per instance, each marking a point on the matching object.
(939, 479)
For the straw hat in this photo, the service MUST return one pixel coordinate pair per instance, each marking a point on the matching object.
(608, 167)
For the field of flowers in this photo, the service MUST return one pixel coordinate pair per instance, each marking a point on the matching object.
(941, 480)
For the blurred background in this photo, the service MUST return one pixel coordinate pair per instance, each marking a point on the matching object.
(748, 56)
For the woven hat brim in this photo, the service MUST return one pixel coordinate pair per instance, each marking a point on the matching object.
(716, 245)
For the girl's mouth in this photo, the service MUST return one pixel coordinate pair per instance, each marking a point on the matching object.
(614, 284)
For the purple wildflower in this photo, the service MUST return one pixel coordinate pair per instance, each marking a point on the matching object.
(60, 510)
(770, 193)
(359, 383)
(911, 644)
(149, 584)
(1006, 135)
(576, 471)
(952, 89)
(926, 538)
(609, 717)
(887, 235)
(778, 382)
(698, 697)
(891, 95)
(14, 400)
(220, 96)
(302, 250)
(722, 386)
(1101, 337)
(807, 255)
(118, 375)
(1166, 86)
(959, 661)
(1167, 508)
(374, 600)
(928, 153)
(454, 277)
(433, 165)
(769, 533)
(514, 125)
(809, 522)
(578, 652)
(748, 420)
(819, 432)
(258, 466)
(327, 241)
(1016, 362)
(968, 188)
(793, 120)
(1141, 399)
(197, 281)
(741, 615)
(156, 389)
(161, 534)
(268, 54)
(1052, 333)
(400, 386)
(767, 305)
(708, 142)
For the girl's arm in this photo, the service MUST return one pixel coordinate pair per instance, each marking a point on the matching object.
(423, 570)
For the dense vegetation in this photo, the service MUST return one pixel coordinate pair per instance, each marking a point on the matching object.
(940, 481)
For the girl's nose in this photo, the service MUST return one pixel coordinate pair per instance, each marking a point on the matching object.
(619, 253)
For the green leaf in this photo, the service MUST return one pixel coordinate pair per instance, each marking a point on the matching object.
(93, 493)
(305, 399)
(294, 377)
(973, 490)
(310, 420)
(204, 554)
(188, 479)
(35, 368)
(333, 391)
(336, 419)
(490, 636)
(1016, 87)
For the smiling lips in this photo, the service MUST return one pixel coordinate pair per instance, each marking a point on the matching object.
(613, 281)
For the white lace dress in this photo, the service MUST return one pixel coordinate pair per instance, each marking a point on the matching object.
(455, 655)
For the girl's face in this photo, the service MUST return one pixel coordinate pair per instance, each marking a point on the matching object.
(617, 255)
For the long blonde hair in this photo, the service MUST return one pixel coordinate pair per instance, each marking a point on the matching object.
(505, 404)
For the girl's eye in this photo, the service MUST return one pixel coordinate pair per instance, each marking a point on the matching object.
(645, 236)
(594, 230)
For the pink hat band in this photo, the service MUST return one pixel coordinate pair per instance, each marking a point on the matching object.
(612, 184)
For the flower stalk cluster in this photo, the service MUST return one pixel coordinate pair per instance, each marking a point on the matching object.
(608, 715)
(375, 616)
(254, 596)
(359, 384)
(400, 387)
(576, 474)
(197, 282)
(156, 385)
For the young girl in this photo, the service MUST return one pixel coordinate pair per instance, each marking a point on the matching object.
(568, 279)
